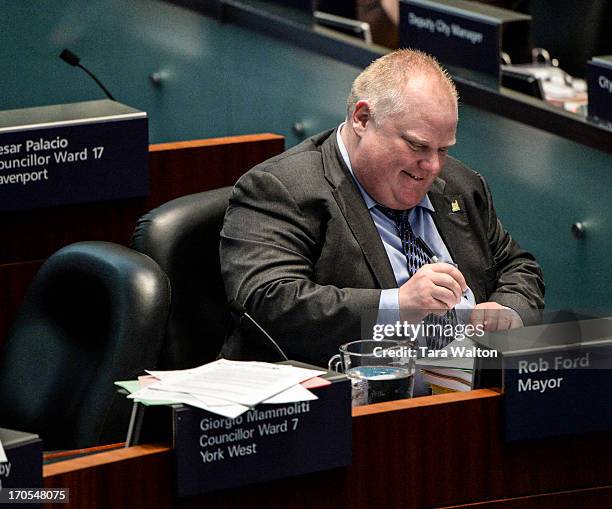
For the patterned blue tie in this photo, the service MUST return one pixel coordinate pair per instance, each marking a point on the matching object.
(416, 257)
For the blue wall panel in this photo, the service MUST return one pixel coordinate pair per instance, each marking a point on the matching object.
(542, 184)
(221, 80)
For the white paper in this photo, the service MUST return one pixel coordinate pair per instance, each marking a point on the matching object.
(230, 388)
(3, 458)
(292, 395)
(245, 383)
(220, 407)
(229, 411)
(467, 300)
(161, 375)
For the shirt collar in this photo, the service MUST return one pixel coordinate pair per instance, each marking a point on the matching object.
(369, 201)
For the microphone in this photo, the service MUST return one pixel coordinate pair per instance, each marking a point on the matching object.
(70, 58)
(240, 310)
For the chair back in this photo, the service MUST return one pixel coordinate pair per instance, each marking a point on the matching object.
(182, 236)
(94, 313)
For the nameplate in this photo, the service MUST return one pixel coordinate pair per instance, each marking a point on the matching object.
(558, 393)
(464, 34)
(24, 466)
(599, 81)
(266, 443)
(555, 378)
(72, 153)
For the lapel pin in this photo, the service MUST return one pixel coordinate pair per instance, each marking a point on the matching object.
(455, 206)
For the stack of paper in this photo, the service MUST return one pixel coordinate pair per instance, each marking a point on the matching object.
(229, 388)
(448, 380)
(449, 372)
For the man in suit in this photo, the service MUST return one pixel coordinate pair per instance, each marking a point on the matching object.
(316, 237)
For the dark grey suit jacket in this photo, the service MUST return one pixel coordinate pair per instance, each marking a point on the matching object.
(300, 251)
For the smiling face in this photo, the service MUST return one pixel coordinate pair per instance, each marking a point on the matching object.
(396, 159)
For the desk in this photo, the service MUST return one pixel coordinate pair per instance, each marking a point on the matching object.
(454, 441)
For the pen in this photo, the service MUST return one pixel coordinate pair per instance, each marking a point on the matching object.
(433, 258)
(423, 245)
(428, 251)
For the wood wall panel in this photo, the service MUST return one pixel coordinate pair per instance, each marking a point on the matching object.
(176, 169)
(14, 281)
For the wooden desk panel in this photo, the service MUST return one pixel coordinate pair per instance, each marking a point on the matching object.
(436, 451)
(592, 497)
(460, 454)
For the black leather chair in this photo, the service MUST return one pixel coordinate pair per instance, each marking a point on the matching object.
(182, 236)
(95, 313)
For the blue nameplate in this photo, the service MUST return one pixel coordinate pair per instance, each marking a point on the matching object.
(24, 466)
(555, 378)
(558, 393)
(72, 153)
(266, 443)
(464, 34)
(599, 81)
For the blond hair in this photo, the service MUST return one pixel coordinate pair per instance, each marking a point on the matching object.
(383, 82)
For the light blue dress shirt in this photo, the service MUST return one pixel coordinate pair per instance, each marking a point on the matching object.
(423, 226)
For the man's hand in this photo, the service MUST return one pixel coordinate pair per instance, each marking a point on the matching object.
(434, 288)
(493, 316)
